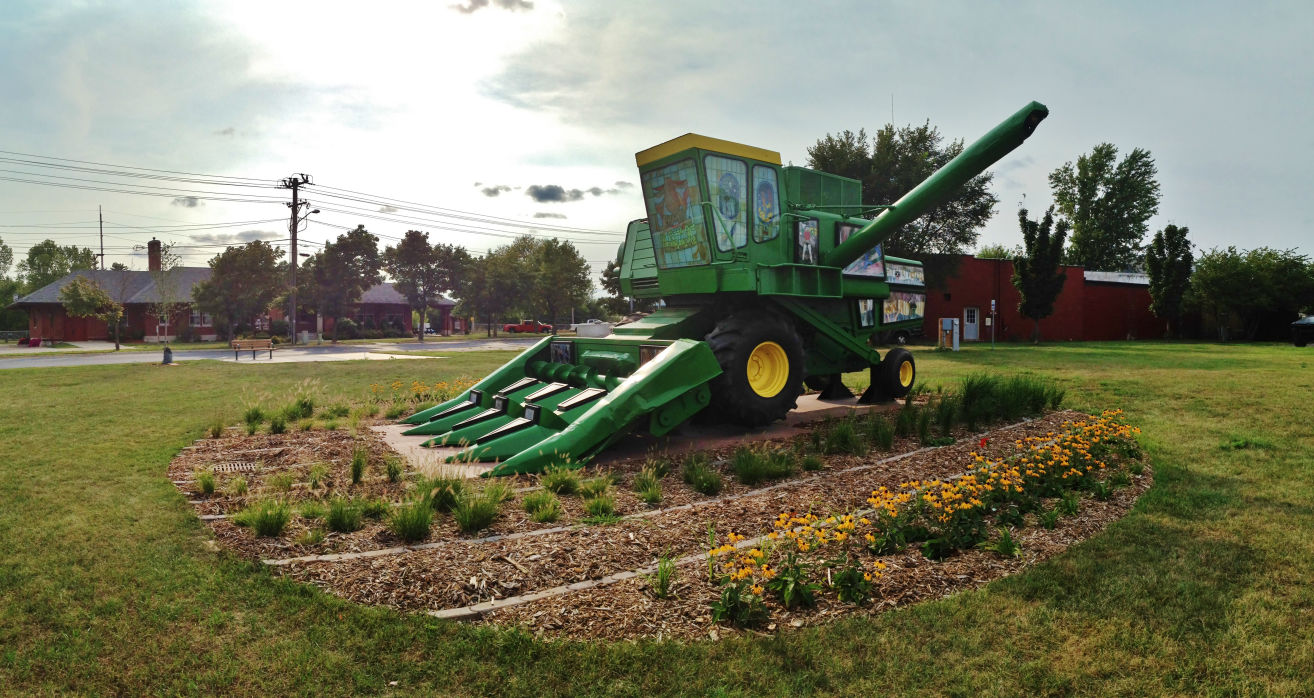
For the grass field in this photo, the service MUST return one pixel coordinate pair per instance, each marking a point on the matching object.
(107, 584)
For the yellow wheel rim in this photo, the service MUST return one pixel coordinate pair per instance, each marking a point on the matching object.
(768, 369)
(906, 373)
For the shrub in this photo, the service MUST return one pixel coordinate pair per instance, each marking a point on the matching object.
(306, 424)
(924, 427)
(331, 425)
(267, 518)
(474, 512)
(841, 436)
(906, 420)
(277, 425)
(663, 579)
(1049, 519)
(946, 413)
(753, 465)
(1135, 468)
(343, 516)
(594, 487)
(252, 428)
(560, 480)
(1070, 504)
(442, 491)
(359, 459)
(301, 408)
(236, 486)
(410, 522)
(1010, 516)
(881, 433)
(205, 482)
(699, 475)
(1101, 490)
(338, 410)
(396, 410)
(393, 468)
(601, 505)
(281, 482)
(216, 428)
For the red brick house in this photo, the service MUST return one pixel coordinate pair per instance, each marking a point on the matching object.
(1094, 305)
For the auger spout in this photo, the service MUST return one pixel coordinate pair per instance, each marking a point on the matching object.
(974, 160)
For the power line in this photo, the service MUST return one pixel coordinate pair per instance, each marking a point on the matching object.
(269, 182)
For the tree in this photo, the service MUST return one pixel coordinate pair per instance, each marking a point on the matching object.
(997, 251)
(1108, 205)
(6, 259)
(561, 279)
(493, 284)
(1168, 260)
(48, 262)
(1037, 272)
(895, 161)
(342, 271)
(422, 272)
(1256, 287)
(244, 282)
(83, 297)
(169, 297)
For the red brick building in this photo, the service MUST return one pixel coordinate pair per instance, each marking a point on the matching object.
(1093, 305)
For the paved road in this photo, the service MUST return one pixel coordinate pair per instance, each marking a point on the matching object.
(313, 353)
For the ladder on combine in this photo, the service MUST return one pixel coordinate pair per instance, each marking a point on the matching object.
(566, 399)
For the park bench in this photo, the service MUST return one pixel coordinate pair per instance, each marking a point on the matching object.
(253, 345)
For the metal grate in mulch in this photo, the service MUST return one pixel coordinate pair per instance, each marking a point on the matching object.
(236, 467)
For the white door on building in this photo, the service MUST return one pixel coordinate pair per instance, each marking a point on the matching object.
(971, 320)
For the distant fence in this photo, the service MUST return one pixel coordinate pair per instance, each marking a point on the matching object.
(12, 335)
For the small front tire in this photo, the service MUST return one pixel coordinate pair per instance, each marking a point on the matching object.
(897, 373)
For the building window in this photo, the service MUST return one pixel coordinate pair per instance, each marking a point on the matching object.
(200, 319)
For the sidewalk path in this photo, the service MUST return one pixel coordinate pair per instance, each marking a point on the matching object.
(51, 358)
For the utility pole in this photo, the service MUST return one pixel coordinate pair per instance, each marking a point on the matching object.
(294, 183)
(101, 213)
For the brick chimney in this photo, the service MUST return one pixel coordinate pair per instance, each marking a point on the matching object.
(153, 254)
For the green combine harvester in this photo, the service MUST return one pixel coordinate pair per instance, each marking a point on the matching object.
(771, 280)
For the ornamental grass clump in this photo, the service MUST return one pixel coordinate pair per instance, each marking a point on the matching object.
(267, 518)
(594, 487)
(359, 461)
(474, 512)
(393, 468)
(499, 492)
(312, 510)
(542, 506)
(661, 582)
(374, 508)
(560, 480)
(881, 433)
(841, 437)
(699, 475)
(280, 482)
(812, 462)
(277, 425)
(236, 486)
(311, 537)
(601, 505)
(205, 482)
(216, 428)
(752, 465)
(343, 516)
(253, 415)
(443, 491)
(410, 521)
(648, 486)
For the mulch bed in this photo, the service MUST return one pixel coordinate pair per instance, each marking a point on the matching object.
(457, 570)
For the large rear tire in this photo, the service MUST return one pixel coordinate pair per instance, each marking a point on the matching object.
(897, 373)
(761, 358)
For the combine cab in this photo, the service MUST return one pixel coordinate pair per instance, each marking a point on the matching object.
(772, 280)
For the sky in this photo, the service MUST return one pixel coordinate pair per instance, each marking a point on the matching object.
(480, 120)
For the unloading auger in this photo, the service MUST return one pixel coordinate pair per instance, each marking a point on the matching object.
(771, 279)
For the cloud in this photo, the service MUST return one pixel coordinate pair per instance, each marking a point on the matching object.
(624, 184)
(549, 215)
(230, 131)
(234, 238)
(472, 6)
(555, 193)
(387, 209)
(495, 190)
(188, 202)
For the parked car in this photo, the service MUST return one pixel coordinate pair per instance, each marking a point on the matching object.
(899, 337)
(1302, 331)
(527, 326)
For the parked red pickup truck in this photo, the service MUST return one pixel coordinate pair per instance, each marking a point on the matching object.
(530, 326)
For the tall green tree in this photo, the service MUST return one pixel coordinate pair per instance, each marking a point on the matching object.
(244, 282)
(1168, 260)
(83, 297)
(10, 290)
(894, 161)
(1109, 203)
(495, 284)
(562, 279)
(413, 266)
(1251, 288)
(6, 259)
(342, 271)
(48, 261)
(1037, 272)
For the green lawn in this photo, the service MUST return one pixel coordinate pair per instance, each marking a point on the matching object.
(107, 584)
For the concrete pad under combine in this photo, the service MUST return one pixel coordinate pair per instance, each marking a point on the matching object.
(688, 437)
